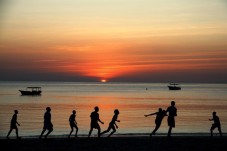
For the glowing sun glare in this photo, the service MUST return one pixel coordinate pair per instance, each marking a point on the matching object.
(103, 80)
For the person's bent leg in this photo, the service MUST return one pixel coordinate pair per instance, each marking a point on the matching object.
(42, 133)
(50, 130)
(106, 131)
(114, 130)
(70, 132)
(211, 130)
(156, 128)
(76, 131)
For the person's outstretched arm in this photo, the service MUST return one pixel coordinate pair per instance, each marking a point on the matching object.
(211, 119)
(150, 114)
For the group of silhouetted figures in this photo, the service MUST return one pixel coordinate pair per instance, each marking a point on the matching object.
(171, 112)
(48, 126)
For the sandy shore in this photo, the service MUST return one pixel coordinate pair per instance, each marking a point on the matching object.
(136, 143)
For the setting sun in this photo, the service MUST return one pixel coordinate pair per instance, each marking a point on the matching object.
(103, 80)
(129, 41)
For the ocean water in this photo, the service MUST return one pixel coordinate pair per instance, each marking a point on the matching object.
(195, 104)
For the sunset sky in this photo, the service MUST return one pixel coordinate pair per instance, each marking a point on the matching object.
(115, 40)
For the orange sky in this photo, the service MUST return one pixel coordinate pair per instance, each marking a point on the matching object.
(146, 40)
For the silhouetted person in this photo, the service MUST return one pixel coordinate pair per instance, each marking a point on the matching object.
(73, 123)
(94, 121)
(158, 120)
(216, 124)
(13, 124)
(112, 124)
(172, 110)
(47, 123)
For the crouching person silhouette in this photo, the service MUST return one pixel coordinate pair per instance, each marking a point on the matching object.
(216, 124)
(73, 123)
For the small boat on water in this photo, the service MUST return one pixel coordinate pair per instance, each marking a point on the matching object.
(31, 91)
(173, 86)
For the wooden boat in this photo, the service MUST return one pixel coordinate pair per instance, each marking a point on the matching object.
(173, 86)
(31, 91)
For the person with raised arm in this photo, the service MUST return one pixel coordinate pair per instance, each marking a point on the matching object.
(158, 120)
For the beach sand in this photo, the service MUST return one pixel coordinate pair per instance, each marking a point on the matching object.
(126, 143)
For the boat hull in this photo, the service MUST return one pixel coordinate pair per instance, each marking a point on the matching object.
(23, 92)
(174, 88)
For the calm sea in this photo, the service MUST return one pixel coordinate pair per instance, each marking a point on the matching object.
(195, 104)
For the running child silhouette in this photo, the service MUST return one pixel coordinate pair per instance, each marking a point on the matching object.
(158, 120)
(112, 124)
